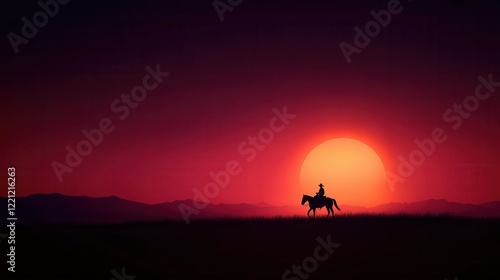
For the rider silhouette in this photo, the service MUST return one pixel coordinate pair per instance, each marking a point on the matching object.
(321, 192)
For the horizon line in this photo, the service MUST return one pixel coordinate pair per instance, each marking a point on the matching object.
(237, 203)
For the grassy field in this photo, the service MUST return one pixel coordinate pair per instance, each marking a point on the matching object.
(371, 247)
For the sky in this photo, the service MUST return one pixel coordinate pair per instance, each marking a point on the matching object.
(227, 80)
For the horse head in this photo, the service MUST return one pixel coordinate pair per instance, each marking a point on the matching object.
(304, 199)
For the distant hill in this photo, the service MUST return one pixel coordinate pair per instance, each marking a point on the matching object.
(62, 209)
(434, 206)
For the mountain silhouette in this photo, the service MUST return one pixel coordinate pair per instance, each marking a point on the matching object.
(62, 209)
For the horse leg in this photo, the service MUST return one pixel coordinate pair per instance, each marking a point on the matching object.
(309, 212)
(314, 213)
(328, 209)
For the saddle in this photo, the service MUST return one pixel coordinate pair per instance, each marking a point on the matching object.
(324, 198)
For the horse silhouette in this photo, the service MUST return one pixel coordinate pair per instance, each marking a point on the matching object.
(319, 202)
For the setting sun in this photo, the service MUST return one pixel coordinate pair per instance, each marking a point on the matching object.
(350, 170)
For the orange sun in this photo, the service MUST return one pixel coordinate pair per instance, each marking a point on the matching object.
(350, 171)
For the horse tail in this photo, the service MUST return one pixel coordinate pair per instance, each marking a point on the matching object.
(335, 203)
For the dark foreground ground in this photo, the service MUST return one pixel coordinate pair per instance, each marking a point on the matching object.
(372, 247)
